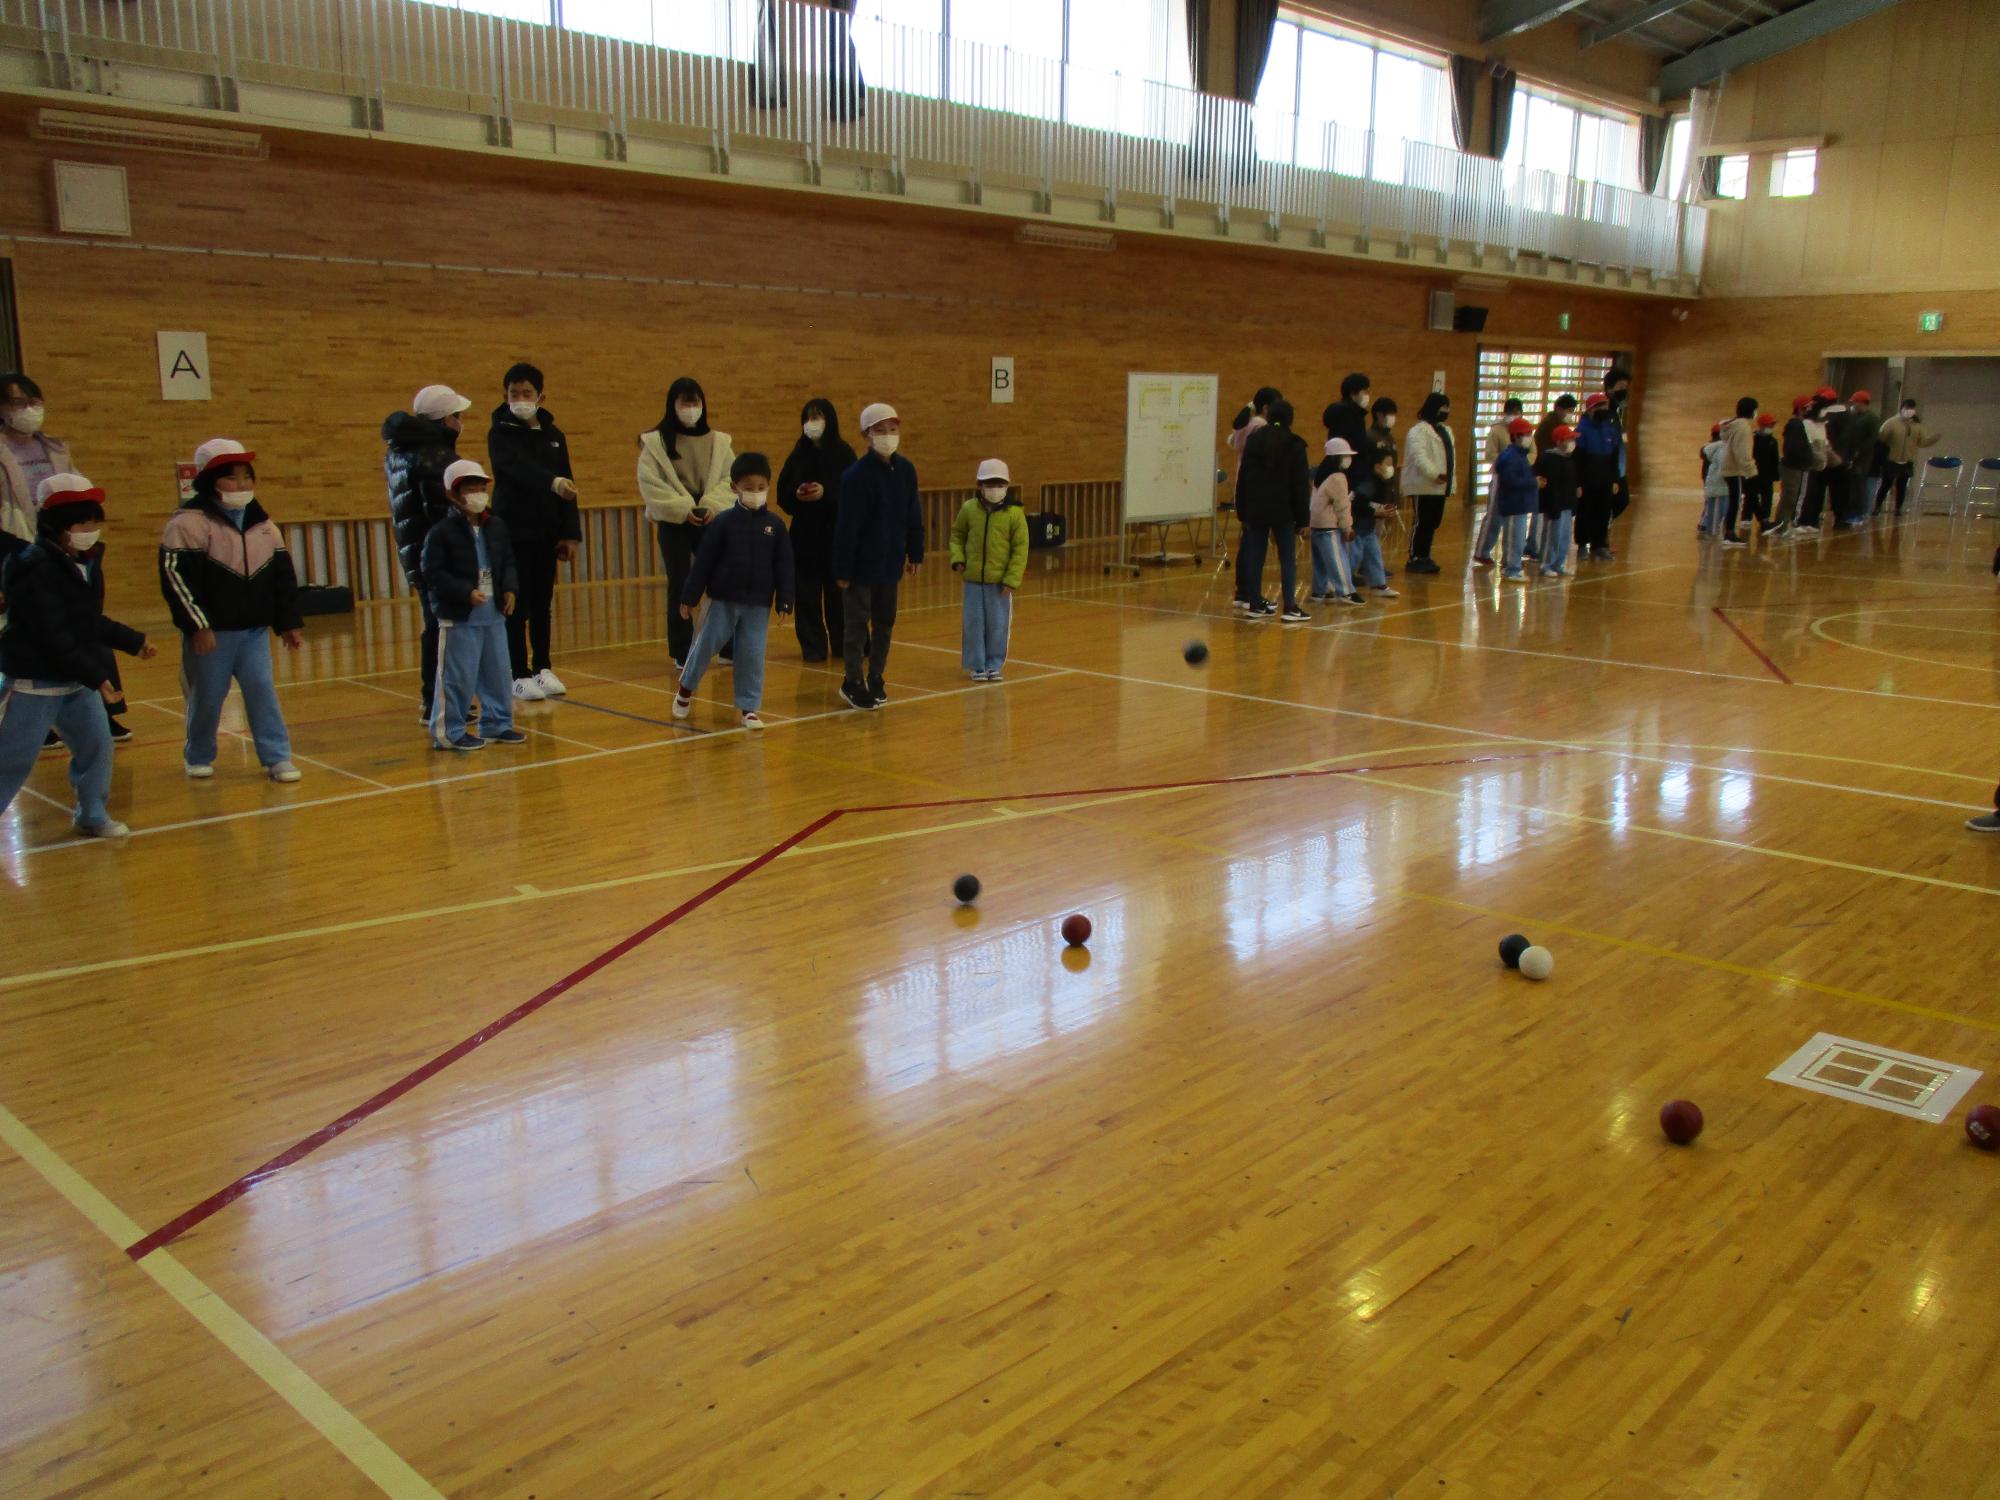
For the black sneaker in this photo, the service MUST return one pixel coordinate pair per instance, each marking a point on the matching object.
(1262, 611)
(856, 695)
(1293, 615)
(1421, 565)
(120, 731)
(1988, 824)
(878, 694)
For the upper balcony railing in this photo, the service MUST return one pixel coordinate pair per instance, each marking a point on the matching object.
(786, 77)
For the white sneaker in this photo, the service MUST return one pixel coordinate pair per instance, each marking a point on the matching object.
(528, 690)
(1385, 592)
(1805, 531)
(752, 722)
(109, 829)
(197, 773)
(285, 771)
(683, 701)
(550, 684)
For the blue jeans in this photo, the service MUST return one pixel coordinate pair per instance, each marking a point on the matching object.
(1364, 555)
(1331, 574)
(246, 656)
(472, 658)
(78, 719)
(983, 636)
(739, 629)
(1555, 541)
(1514, 533)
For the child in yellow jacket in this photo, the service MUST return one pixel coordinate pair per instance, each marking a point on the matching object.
(989, 545)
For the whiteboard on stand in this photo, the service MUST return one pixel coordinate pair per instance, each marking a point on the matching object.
(1169, 448)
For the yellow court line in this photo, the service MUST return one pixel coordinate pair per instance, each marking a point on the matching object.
(306, 1396)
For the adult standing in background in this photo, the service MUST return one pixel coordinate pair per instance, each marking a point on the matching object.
(1822, 420)
(534, 492)
(1248, 421)
(809, 493)
(1562, 414)
(684, 482)
(1858, 437)
(27, 457)
(1274, 501)
(1600, 459)
(1903, 438)
(1347, 418)
(422, 443)
(1430, 464)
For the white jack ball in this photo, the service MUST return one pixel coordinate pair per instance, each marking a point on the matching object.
(1537, 963)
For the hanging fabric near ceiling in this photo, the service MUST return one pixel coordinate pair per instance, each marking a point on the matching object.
(1197, 29)
(1710, 174)
(1653, 131)
(1464, 88)
(820, 43)
(1503, 109)
(1255, 22)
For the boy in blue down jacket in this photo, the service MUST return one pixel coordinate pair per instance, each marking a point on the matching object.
(1515, 487)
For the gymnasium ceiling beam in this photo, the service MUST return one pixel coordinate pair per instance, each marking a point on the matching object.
(1503, 18)
(1632, 21)
(1779, 34)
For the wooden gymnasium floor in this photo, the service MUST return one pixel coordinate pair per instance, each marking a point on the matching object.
(792, 1180)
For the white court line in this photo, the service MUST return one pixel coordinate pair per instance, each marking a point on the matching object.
(532, 729)
(238, 734)
(306, 1396)
(524, 893)
(434, 783)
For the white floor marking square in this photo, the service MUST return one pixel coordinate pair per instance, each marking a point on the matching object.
(1901, 1082)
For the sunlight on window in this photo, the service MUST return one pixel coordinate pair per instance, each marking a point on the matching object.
(1572, 139)
(1794, 173)
(1346, 102)
(1009, 56)
(1680, 137)
(506, 10)
(1117, 53)
(1732, 178)
(900, 45)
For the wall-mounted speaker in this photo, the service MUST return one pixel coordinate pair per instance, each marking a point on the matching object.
(1469, 320)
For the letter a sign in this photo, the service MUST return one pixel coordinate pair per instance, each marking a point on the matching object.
(183, 366)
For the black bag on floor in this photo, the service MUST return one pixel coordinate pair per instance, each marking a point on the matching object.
(325, 599)
(1046, 529)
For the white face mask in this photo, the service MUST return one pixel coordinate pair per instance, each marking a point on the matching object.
(1569, 447)
(815, 429)
(1909, 414)
(1387, 423)
(475, 504)
(1524, 442)
(524, 410)
(752, 499)
(1340, 462)
(690, 416)
(83, 541)
(27, 419)
(885, 443)
(993, 494)
(237, 501)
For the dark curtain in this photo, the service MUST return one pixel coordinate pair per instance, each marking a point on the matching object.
(1464, 88)
(1197, 24)
(827, 35)
(1255, 21)
(1710, 176)
(1652, 150)
(1503, 110)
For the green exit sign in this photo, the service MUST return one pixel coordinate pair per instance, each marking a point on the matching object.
(1930, 322)
(1562, 322)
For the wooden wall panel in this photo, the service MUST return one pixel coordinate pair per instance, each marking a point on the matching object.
(802, 297)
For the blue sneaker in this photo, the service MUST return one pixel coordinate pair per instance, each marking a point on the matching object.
(508, 737)
(465, 742)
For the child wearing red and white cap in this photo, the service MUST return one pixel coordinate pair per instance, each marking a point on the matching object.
(1555, 467)
(1515, 487)
(229, 583)
(55, 652)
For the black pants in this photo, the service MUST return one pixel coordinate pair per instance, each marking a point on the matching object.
(819, 617)
(1818, 486)
(1256, 541)
(430, 646)
(678, 539)
(1757, 498)
(1896, 477)
(1593, 516)
(528, 626)
(870, 619)
(1735, 483)
(1430, 515)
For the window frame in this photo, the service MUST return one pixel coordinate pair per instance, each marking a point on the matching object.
(1377, 46)
(1627, 121)
(1722, 161)
(1781, 161)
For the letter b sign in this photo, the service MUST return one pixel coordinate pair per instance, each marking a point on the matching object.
(1003, 378)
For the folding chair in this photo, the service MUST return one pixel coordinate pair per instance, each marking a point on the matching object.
(1983, 488)
(1939, 473)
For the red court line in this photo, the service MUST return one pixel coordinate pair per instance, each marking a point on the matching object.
(174, 1228)
(1755, 649)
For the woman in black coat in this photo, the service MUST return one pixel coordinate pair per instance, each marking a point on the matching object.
(1274, 498)
(808, 486)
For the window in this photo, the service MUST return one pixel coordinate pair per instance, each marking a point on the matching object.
(1537, 376)
(1551, 133)
(1732, 177)
(1346, 101)
(1680, 138)
(1118, 49)
(1793, 173)
(1008, 56)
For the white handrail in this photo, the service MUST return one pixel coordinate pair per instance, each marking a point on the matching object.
(811, 80)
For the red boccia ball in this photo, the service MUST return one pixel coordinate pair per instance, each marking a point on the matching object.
(1681, 1121)
(1982, 1126)
(1076, 930)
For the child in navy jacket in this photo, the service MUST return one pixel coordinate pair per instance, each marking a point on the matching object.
(468, 566)
(1515, 487)
(744, 563)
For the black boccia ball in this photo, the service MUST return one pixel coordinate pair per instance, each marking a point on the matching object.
(966, 888)
(1194, 653)
(1512, 947)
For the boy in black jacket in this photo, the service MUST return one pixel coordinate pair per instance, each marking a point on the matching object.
(534, 492)
(1763, 486)
(55, 652)
(1555, 466)
(468, 567)
(745, 561)
(421, 443)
